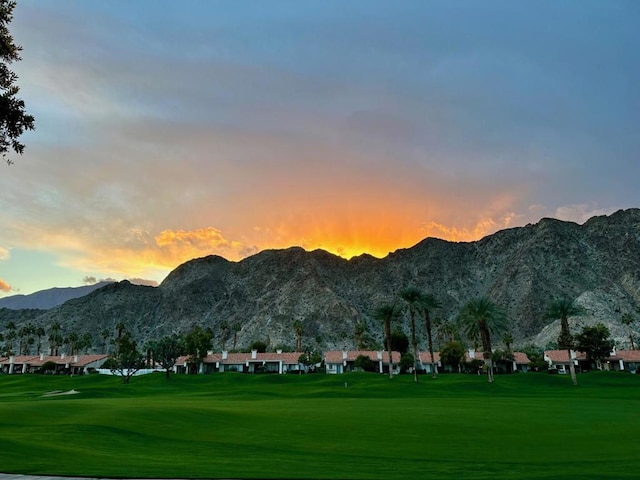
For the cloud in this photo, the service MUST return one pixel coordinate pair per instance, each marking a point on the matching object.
(4, 253)
(580, 213)
(182, 245)
(5, 287)
(89, 280)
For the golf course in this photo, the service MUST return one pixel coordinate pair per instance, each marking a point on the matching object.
(353, 426)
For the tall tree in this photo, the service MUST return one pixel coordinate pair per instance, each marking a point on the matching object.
(298, 330)
(412, 298)
(595, 342)
(428, 303)
(167, 350)
(359, 332)
(452, 354)
(105, 334)
(224, 334)
(563, 308)
(386, 313)
(197, 344)
(13, 118)
(628, 320)
(55, 339)
(72, 340)
(481, 317)
(39, 333)
(235, 328)
(128, 360)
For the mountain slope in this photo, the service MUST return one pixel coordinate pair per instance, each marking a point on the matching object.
(522, 269)
(49, 298)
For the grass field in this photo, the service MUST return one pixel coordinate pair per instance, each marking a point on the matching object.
(527, 426)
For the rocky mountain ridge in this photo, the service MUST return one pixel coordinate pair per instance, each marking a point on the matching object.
(522, 269)
(49, 298)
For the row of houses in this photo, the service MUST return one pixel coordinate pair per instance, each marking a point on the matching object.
(335, 362)
(618, 360)
(62, 364)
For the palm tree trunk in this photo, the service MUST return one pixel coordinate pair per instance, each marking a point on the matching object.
(485, 338)
(427, 321)
(415, 346)
(572, 369)
(565, 340)
(387, 334)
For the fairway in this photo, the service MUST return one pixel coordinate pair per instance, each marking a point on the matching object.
(527, 426)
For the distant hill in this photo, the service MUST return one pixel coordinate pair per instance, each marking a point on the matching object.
(49, 298)
(522, 269)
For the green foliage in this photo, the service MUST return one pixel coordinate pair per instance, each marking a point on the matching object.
(197, 343)
(48, 367)
(399, 341)
(128, 360)
(167, 350)
(536, 357)
(364, 363)
(13, 118)
(452, 354)
(258, 345)
(595, 342)
(406, 362)
(562, 309)
(481, 317)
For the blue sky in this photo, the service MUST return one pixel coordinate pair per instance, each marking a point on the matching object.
(172, 130)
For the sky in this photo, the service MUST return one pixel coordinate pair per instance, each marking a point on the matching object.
(167, 131)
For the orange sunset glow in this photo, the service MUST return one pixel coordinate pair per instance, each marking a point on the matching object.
(358, 128)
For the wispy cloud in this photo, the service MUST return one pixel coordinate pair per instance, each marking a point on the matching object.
(205, 133)
(4, 286)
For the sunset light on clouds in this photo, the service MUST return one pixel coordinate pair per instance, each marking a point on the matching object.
(167, 131)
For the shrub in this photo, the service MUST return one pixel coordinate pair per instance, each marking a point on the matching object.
(364, 363)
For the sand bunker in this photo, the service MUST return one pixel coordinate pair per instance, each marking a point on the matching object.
(60, 392)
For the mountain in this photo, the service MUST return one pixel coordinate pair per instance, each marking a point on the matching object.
(522, 269)
(46, 299)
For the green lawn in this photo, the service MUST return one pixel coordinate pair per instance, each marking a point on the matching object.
(527, 426)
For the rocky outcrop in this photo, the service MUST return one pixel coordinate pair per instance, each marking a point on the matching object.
(522, 269)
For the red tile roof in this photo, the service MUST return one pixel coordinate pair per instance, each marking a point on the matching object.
(521, 358)
(562, 356)
(39, 360)
(289, 358)
(628, 355)
(425, 357)
(338, 356)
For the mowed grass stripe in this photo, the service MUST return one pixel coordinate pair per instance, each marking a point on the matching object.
(524, 426)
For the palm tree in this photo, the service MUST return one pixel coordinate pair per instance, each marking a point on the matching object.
(39, 333)
(628, 320)
(121, 328)
(55, 339)
(105, 335)
(359, 332)
(507, 339)
(10, 336)
(479, 318)
(562, 309)
(412, 297)
(386, 313)
(224, 332)
(298, 329)
(428, 303)
(72, 341)
(235, 328)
